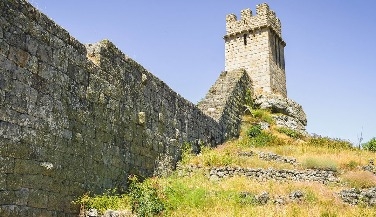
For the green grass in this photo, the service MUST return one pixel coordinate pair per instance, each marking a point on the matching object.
(263, 115)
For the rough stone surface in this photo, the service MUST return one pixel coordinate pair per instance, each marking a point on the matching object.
(296, 195)
(356, 196)
(321, 176)
(269, 156)
(76, 118)
(225, 100)
(108, 213)
(255, 43)
(263, 198)
(289, 113)
(370, 167)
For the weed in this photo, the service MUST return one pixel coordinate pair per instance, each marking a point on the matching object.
(186, 154)
(327, 213)
(144, 197)
(320, 163)
(263, 115)
(262, 140)
(289, 132)
(108, 200)
(351, 165)
(360, 179)
(254, 130)
(248, 98)
(211, 158)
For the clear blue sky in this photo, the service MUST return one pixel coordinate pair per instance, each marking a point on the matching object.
(330, 52)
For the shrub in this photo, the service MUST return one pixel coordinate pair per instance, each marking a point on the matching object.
(108, 200)
(263, 115)
(371, 145)
(290, 133)
(254, 130)
(263, 139)
(320, 163)
(319, 141)
(144, 198)
(360, 179)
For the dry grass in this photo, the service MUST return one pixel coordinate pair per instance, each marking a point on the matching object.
(319, 199)
(197, 195)
(360, 179)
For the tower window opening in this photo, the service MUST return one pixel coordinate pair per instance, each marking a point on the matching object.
(245, 39)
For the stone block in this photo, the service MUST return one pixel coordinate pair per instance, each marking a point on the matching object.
(22, 196)
(7, 197)
(19, 56)
(27, 167)
(3, 183)
(7, 165)
(37, 199)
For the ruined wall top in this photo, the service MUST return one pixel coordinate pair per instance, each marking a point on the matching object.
(264, 18)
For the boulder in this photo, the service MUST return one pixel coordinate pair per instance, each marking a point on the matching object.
(287, 113)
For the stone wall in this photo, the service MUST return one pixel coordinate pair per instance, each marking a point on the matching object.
(76, 118)
(225, 101)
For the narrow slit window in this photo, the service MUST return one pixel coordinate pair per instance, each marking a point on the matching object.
(245, 39)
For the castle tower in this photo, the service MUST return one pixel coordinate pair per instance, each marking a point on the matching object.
(255, 43)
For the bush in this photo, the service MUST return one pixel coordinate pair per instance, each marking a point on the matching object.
(290, 133)
(263, 139)
(254, 130)
(320, 163)
(144, 198)
(319, 141)
(371, 145)
(263, 115)
(106, 201)
(360, 179)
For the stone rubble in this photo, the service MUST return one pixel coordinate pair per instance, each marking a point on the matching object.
(264, 197)
(309, 175)
(355, 196)
(109, 213)
(269, 156)
(370, 167)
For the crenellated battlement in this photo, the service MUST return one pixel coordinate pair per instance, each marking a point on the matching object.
(248, 23)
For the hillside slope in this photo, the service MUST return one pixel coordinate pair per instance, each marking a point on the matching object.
(267, 171)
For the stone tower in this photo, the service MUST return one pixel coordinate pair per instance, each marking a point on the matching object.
(255, 43)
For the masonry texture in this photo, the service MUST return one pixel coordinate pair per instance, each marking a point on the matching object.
(76, 118)
(255, 43)
(226, 99)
